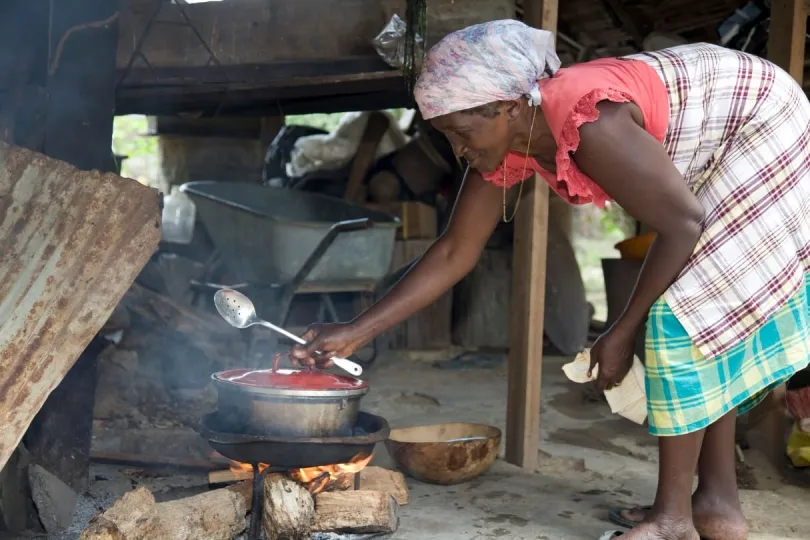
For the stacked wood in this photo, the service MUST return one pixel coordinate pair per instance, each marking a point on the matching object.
(356, 512)
(386, 481)
(291, 513)
(215, 515)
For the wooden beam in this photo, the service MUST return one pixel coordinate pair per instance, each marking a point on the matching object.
(787, 36)
(528, 297)
(262, 32)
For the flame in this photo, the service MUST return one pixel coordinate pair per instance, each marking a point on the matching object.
(315, 479)
(357, 464)
(237, 467)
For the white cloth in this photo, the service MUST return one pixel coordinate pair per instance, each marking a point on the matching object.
(485, 63)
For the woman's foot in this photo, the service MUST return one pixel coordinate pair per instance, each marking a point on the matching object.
(717, 519)
(662, 528)
(713, 518)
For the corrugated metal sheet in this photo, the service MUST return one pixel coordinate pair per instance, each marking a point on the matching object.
(71, 244)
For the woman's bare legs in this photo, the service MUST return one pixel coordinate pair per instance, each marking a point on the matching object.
(715, 504)
(671, 515)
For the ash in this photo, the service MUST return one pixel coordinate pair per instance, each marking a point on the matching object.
(330, 536)
(335, 536)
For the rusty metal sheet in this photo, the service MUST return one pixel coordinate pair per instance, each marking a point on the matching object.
(71, 244)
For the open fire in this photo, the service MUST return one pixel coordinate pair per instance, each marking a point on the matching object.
(339, 477)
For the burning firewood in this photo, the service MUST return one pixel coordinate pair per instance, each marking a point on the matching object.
(215, 515)
(288, 509)
(356, 512)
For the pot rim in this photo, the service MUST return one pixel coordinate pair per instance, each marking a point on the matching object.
(269, 391)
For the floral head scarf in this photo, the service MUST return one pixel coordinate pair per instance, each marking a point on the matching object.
(493, 61)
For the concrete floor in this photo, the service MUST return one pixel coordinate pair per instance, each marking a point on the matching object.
(591, 461)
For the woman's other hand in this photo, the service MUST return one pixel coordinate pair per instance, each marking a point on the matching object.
(340, 339)
(613, 353)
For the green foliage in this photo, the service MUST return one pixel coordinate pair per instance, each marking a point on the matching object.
(130, 139)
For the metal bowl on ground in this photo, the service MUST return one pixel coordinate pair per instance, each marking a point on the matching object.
(444, 454)
(278, 410)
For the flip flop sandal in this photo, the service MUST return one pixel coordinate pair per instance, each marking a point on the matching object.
(616, 517)
(609, 535)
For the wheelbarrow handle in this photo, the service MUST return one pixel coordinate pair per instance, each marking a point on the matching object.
(314, 257)
(352, 225)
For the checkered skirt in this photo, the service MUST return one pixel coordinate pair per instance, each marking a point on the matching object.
(686, 392)
(739, 132)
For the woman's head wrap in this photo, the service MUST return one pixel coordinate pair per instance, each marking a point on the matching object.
(493, 61)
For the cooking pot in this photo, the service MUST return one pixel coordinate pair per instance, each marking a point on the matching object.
(294, 403)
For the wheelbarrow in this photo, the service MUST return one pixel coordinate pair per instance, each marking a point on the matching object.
(278, 243)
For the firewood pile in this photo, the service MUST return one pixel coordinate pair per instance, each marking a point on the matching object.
(369, 505)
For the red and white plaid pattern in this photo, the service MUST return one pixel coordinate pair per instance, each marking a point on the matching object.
(739, 132)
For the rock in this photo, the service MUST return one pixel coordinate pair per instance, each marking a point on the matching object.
(55, 501)
(17, 512)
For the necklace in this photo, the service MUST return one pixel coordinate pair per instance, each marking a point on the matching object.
(523, 176)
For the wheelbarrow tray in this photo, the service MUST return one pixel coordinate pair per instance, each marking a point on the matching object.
(265, 234)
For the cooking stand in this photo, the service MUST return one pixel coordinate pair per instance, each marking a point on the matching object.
(288, 453)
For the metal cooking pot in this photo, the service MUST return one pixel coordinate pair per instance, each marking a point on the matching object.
(267, 410)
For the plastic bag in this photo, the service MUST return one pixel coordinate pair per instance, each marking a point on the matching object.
(335, 150)
(628, 399)
(390, 43)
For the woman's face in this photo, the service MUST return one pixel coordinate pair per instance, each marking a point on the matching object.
(480, 136)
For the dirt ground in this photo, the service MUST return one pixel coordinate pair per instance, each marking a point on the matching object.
(591, 461)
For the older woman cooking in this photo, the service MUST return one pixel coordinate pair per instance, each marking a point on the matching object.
(707, 146)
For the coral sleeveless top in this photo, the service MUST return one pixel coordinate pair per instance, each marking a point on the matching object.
(569, 100)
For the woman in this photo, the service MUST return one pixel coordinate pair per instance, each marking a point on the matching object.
(707, 146)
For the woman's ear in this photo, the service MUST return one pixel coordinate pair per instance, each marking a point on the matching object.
(512, 109)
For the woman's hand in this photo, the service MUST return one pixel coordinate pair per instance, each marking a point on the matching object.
(613, 353)
(340, 339)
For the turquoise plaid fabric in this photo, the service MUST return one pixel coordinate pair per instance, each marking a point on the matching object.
(686, 392)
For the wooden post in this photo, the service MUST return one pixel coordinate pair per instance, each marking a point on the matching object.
(528, 296)
(787, 36)
(81, 84)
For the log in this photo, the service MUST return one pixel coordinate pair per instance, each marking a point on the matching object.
(356, 512)
(288, 509)
(386, 481)
(215, 515)
(227, 476)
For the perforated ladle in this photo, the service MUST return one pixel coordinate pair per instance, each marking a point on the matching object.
(238, 310)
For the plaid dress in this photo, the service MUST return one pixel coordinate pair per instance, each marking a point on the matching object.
(735, 322)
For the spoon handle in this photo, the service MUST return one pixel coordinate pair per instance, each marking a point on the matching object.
(343, 363)
(281, 331)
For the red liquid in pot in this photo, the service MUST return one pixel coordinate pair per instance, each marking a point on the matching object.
(294, 380)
